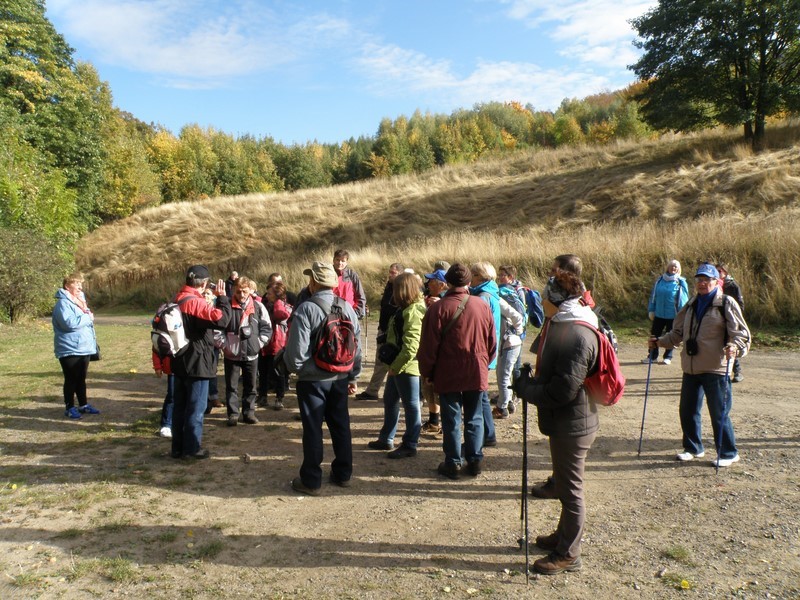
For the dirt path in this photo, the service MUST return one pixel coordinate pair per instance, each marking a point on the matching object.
(102, 511)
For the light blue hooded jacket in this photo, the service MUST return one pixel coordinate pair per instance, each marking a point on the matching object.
(73, 329)
(490, 293)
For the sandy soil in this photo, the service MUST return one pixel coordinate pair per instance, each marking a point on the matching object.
(101, 489)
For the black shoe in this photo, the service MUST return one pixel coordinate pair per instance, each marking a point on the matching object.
(344, 483)
(449, 470)
(545, 490)
(366, 396)
(199, 455)
(402, 452)
(379, 445)
(474, 468)
(176, 454)
(512, 408)
(490, 443)
(250, 419)
(233, 420)
(299, 486)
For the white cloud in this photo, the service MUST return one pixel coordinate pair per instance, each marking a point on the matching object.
(593, 31)
(189, 43)
(395, 72)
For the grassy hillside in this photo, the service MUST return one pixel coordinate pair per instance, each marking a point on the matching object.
(625, 208)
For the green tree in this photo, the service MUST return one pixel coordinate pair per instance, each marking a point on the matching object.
(734, 62)
(31, 267)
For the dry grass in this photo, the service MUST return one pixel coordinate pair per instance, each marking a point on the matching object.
(626, 208)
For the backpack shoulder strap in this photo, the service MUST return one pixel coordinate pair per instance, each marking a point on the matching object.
(457, 314)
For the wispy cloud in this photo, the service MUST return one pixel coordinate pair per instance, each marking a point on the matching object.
(592, 31)
(186, 44)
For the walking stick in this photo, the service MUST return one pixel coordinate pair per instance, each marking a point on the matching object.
(724, 408)
(365, 354)
(644, 411)
(523, 509)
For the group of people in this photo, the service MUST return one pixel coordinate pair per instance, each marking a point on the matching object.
(439, 338)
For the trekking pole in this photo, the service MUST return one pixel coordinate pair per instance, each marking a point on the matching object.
(644, 411)
(724, 408)
(366, 335)
(523, 514)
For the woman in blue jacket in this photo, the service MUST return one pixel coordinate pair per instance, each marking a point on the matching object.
(670, 293)
(75, 343)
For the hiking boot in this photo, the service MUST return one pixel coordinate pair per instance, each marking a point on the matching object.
(344, 483)
(725, 462)
(490, 443)
(553, 564)
(646, 361)
(366, 396)
(449, 470)
(278, 404)
(686, 456)
(474, 467)
(199, 455)
(262, 402)
(215, 403)
(432, 428)
(500, 413)
(545, 490)
(88, 409)
(233, 420)
(402, 452)
(165, 432)
(737, 377)
(250, 419)
(494, 398)
(379, 445)
(547, 542)
(72, 413)
(299, 486)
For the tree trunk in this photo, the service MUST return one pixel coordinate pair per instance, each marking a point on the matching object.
(759, 134)
(748, 131)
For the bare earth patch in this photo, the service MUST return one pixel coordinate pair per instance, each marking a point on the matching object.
(97, 508)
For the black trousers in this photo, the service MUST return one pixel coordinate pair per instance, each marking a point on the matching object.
(75, 369)
(325, 401)
(249, 370)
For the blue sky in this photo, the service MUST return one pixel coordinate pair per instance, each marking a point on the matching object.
(328, 71)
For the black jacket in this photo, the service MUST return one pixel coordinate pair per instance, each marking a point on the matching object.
(387, 307)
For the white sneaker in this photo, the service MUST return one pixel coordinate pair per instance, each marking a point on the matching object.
(684, 456)
(725, 462)
(666, 361)
(165, 432)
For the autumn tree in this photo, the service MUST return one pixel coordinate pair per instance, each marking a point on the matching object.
(734, 62)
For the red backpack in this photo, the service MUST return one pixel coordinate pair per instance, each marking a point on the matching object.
(607, 384)
(335, 342)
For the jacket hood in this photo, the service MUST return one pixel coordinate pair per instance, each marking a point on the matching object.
(572, 310)
(489, 287)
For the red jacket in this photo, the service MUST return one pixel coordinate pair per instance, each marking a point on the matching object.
(162, 364)
(460, 361)
(279, 313)
(351, 291)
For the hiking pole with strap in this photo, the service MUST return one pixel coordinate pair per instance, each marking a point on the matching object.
(366, 335)
(644, 411)
(722, 416)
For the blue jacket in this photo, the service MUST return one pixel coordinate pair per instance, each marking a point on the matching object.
(668, 297)
(490, 293)
(73, 329)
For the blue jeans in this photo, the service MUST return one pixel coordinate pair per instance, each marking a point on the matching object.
(506, 366)
(451, 405)
(489, 434)
(717, 390)
(406, 388)
(325, 401)
(169, 402)
(191, 398)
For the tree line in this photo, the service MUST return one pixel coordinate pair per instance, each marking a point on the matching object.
(70, 160)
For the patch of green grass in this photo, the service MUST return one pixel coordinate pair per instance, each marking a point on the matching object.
(179, 481)
(210, 550)
(69, 534)
(146, 426)
(80, 568)
(678, 581)
(27, 580)
(116, 526)
(680, 554)
(120, 570)
(167, 536)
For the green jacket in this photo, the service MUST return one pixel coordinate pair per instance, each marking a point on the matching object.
(406, 361)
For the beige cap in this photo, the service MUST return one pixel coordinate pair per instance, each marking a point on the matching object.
(323, 274)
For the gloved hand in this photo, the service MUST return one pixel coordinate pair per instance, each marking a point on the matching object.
(651, 315)
(524, 380)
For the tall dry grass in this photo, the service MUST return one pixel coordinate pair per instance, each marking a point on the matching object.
(625, 208)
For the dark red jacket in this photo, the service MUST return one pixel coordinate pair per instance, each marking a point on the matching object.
(460, 361)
